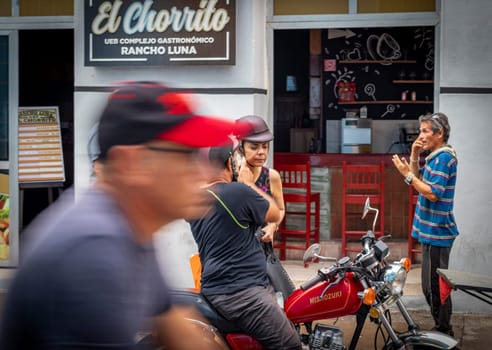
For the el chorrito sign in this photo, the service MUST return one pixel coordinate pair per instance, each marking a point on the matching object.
(159, 32)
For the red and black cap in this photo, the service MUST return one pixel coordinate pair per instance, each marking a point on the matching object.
(138, 112)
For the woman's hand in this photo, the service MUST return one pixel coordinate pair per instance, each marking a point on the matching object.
(269, 230)
(245, 175)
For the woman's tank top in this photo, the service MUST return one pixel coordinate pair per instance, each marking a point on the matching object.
(263, 181)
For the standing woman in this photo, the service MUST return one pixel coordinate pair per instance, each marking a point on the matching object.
(254, 148)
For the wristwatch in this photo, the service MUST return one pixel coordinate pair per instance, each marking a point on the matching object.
(409, 178)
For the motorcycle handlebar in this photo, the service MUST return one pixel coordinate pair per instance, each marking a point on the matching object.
(325, 276)
(320, 277)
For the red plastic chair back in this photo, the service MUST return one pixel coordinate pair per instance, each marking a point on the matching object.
(359, 182)
(296, 184)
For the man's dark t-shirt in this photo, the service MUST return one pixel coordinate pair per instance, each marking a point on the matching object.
(231, 255)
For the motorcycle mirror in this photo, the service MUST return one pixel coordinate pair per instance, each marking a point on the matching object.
(367, 206)
(311, 253)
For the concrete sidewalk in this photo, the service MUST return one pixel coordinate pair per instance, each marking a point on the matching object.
(472, 319)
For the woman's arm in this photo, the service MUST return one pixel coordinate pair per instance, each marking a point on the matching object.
(246, 176)
(277, 192)
(278, 196)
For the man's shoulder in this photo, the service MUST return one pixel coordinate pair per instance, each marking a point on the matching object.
(244, 192)
(234, 187)
(89, 219)
(443, 154)
(442, 161)
(446, 155)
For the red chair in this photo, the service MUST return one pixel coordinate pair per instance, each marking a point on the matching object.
(299, 201)
(358, 183)
(413, 245)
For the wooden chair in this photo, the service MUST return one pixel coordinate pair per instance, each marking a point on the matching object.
(299, 202)
(358, 183)
(413, 245)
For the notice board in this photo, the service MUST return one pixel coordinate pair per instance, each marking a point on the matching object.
(40, 147)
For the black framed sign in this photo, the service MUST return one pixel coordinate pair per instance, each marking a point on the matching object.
(159, 32)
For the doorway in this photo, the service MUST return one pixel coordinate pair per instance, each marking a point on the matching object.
(291, 85)
(46, 78)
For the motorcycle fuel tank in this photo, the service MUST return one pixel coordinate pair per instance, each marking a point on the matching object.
(310, 305)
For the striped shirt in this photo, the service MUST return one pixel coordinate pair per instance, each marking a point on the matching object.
(434, 222)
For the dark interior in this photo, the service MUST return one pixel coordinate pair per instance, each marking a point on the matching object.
(46, 78)
(291, 58)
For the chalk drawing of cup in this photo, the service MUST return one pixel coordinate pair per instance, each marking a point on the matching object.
(384, 47)
(388, 48)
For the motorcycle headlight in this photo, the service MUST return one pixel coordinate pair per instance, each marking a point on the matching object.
(394, 278)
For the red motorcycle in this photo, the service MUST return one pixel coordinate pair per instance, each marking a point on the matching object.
(366, 287)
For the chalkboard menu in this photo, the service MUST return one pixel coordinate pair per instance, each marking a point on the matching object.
(40, 149)
(388, 70)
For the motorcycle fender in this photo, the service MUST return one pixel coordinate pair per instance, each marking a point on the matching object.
(431, 339)
(238, 341)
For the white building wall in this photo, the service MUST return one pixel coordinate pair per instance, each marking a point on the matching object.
(175, 243)
(466, 86)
